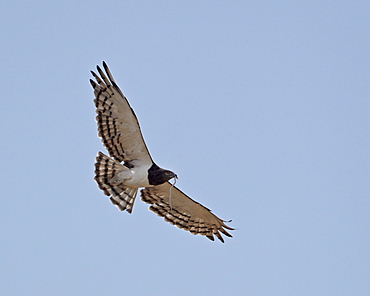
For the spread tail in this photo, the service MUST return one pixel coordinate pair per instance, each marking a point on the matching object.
(107, 168)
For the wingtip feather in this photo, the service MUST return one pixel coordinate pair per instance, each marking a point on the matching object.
(93, 83)
(105, 65)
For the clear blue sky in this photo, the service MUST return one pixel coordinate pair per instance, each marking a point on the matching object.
(260, 107)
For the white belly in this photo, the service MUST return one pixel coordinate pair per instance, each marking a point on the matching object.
(138, 177)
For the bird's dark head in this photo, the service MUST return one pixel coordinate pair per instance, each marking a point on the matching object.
(157, 175)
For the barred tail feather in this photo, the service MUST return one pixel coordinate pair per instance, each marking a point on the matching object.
(105, 169)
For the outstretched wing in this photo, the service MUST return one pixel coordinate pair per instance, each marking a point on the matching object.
(182, 211)
(118, 126)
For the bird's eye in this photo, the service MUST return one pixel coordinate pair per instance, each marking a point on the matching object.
(168, 173)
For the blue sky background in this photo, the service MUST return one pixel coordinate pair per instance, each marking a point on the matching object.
(260, 107)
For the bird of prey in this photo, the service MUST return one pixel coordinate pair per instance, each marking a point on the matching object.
(129, 166)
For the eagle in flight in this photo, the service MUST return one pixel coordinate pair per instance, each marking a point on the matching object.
(131, 167)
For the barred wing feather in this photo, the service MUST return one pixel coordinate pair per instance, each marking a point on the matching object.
(118, 126)
(184, 212)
